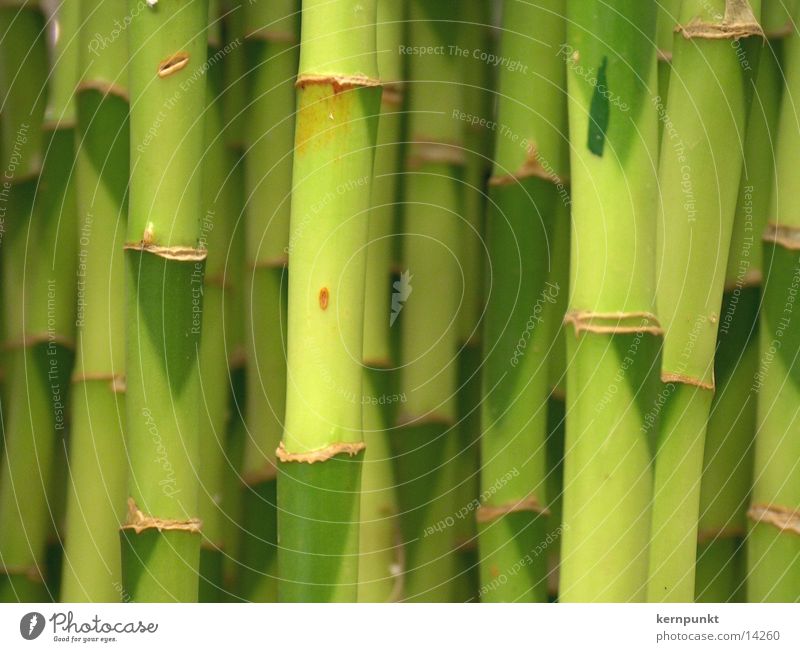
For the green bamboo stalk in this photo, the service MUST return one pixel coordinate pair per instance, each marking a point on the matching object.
(426, 304)
(272, 35)
(727, 466)
(236, 431)
(476, 39)
(380, 552)
(666, 22)
(613, 333)
(234, 73)
(699, 173)
(530, 165)
(39, 272)
(215, 236)
(773, 541)
(164, 266)
(56, 212)
(96, 489)
(556, 405)
(319, 470)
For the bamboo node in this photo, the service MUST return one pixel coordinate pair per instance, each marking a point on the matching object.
(105, 88)
(532, 167)
(321, 455)
(434, 152)
(138, 521)
(392, 94)
(265, 473)
(683, 379)
(613, 323)
(709, 534)
(181, 254)
(173, 64)
(751, 279)
(116, 381)
(738, 22)
(783, 235)
(30, 572)
(781, 32)
(338, 82)
(488, 513)
(783, 518)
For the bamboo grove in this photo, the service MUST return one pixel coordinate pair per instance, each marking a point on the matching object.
(399, 300)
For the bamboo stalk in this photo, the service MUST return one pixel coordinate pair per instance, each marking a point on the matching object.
(612, 331)
(426, 301)
(666, 22)
(320, 455)
(272, 35)
(728, 458)
(380, 551)
(39, 272)
(234, 98)
(96, 489)
(476, 38)
(530, 166)
(699, 177)
(773, 541)
(164, 263)
(215, 235)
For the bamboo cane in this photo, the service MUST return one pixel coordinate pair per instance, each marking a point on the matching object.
(425, 302)
(272, 29)
(39, 272)
(728, 458)
(96, 495)
(699, 177)
(530, 166)
(612, 331)
(164, 265)
(476, 38)
(320, 455)
(380, 552)
(773, 541)
(215, 236)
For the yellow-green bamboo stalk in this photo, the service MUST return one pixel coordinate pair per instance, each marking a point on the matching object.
(613, 335)
(38, 198)
(164, 267)
(320, 455)
(426, 304)
(715, 56)
(476, 38)
(526, 185)
(773, 572)
(215, 236)
(271, 41)
(97, 470)
(728, 458)
(380, 550)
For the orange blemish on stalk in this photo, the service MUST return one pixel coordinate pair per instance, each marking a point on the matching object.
(323, 298)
